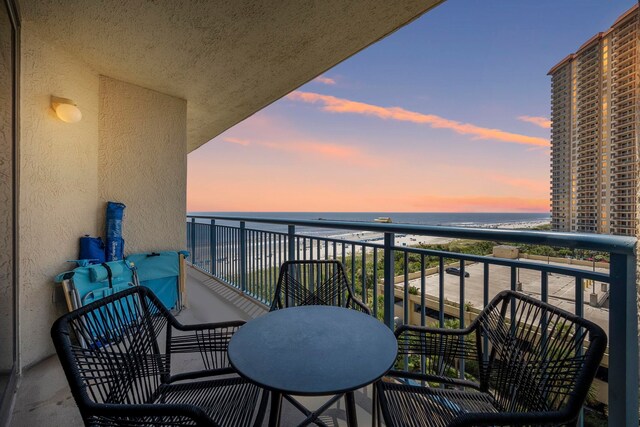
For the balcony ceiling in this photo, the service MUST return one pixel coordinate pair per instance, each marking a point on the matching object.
(229, 58)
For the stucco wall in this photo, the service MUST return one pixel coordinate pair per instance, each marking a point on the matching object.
(143, 163)
(130, 146)
(6, 198)
(58, 181)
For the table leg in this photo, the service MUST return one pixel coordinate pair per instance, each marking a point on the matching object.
(352, 420)
(274, 410)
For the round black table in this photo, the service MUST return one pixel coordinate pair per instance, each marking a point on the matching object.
(313, 351)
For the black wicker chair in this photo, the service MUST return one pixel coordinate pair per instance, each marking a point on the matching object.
(110, 352)
(315, 282)
(527, 363)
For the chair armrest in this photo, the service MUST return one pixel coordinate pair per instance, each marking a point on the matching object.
(430, 378)
(551, 418)
(210, 340)
(434, 331)
(149, 413)
(435, 341)
(443, 349)
(358, 305)
(204, 326)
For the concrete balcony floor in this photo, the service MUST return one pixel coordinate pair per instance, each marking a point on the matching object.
(44, 398)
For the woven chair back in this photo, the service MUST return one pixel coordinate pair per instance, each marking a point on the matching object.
(535, 355)
(112, 348)
(528, 355)
(314, 283)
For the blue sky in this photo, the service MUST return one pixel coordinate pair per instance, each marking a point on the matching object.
(480, 63)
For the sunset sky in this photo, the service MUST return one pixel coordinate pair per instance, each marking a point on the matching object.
(448, 114)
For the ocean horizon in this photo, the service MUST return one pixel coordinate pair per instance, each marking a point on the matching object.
(451, 219)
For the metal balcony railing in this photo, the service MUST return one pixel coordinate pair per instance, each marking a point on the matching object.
(248, 259)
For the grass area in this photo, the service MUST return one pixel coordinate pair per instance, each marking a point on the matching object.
(543, 227)
(594, 418)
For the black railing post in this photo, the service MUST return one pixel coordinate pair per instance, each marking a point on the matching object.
(623, 342)
(193, 241)
(243, 257)
(389, 276)
(213, 247)
(292, 242)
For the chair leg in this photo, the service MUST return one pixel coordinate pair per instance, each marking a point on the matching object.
(377, 407)
(262, 409)
(350, 401)
(374, 406)
(275, 408)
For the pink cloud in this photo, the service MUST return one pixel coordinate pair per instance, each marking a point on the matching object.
(340, 105)
(266, 132)
(543, 122)
(333, 151)
(236, 141)
(325, 80)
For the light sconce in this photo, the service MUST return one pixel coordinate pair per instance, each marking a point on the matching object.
(66, 109)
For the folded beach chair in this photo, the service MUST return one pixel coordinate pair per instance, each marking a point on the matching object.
(161, 272)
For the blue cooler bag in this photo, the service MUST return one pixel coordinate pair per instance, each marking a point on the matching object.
(91, 248)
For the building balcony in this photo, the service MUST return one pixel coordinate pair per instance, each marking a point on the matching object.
(234, 270)
(622, 91)
(624, 37)
(623, 186)
(622, 83)
(625, 69)
(239, 283)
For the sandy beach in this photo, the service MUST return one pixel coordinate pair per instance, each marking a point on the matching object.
(377, 238)
(401, 239)
(414, 240)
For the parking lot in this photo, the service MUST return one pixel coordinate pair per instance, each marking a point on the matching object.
(561, 288)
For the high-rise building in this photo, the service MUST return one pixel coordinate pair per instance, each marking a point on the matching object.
(595, 96)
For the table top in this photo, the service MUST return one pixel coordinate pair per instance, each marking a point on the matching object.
(313, 350)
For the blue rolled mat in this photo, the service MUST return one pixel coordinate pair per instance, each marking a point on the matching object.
(115, 242)
(97, 273)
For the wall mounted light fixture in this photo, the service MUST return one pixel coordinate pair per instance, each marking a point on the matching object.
(66, 109)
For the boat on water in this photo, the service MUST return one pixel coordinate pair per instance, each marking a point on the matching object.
(385, 219)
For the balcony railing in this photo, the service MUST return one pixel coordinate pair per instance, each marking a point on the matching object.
(248, 259)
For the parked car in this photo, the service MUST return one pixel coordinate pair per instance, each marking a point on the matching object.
(455, 271)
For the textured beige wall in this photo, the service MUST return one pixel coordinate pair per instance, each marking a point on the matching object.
(129, 146)
(143, 163)
(6, 198)
(58, 181)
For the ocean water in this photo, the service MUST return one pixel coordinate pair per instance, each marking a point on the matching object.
(426, 218)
